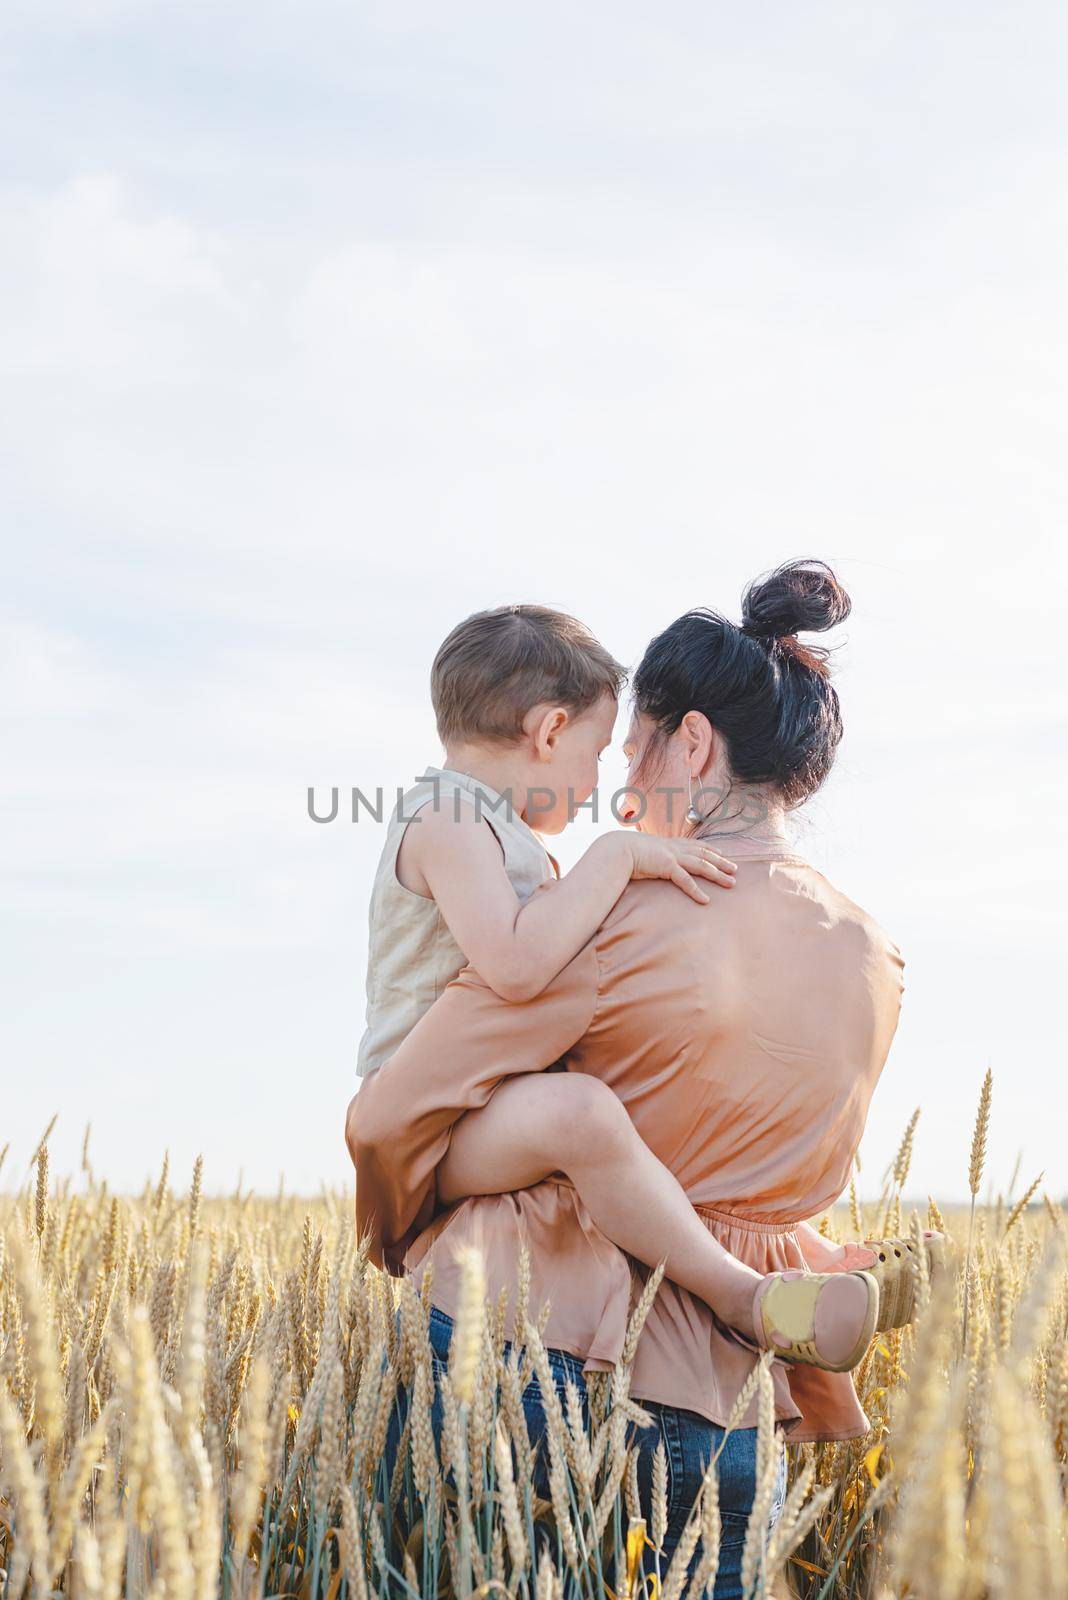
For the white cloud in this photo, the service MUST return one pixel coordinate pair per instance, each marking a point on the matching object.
(97, 290)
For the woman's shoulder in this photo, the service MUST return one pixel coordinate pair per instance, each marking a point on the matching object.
(846, 909)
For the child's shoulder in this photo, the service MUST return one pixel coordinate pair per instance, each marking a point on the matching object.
(463, 819)
(440, 823)
(435, 797)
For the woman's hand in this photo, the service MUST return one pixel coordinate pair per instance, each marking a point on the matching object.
(683, 861)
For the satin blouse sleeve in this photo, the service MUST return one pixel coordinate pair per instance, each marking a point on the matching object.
(401, 1120)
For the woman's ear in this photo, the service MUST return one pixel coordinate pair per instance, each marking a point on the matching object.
(544, 725)
(696, 731)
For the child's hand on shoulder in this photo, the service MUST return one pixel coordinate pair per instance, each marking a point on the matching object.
(683, 861)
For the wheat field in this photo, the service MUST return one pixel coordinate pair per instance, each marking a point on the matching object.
(195, 1395)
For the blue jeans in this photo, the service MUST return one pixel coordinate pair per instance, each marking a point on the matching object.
(689, 1442)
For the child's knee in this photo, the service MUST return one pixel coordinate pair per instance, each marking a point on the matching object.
(589, 1118)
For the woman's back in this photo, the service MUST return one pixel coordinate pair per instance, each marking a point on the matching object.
(746, 1037)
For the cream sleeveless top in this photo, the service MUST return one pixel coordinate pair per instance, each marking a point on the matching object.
(411, 954)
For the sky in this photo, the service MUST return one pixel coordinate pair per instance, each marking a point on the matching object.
(323, 327)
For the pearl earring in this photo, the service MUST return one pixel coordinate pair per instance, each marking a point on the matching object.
(693, 815)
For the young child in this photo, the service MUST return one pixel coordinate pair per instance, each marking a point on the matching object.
(525, 700)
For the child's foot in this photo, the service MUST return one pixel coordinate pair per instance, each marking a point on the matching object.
(895, 1273)
(822, 1319)
(853, 1256)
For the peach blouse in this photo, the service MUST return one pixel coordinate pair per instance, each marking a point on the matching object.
(745, 1038)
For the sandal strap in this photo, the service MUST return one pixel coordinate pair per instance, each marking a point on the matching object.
(895, 1273)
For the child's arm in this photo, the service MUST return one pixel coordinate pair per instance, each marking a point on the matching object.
(518, 948)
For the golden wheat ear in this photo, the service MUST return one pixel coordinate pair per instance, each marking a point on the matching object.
(195, 1385)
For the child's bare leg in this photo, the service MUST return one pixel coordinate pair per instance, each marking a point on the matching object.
(568, 1122)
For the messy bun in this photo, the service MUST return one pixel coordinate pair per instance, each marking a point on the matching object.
(768, 694)
(798, 597)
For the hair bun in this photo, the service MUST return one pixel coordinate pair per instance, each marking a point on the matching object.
(798, 597)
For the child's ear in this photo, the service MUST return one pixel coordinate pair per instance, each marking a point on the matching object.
(546, 724)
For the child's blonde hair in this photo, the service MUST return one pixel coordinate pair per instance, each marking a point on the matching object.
(495, 666)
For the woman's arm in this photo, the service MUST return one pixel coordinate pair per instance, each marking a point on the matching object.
(399, 1123)
(518, 948)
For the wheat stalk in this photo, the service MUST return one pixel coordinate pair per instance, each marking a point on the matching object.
(975, 1173)
(197, 1390)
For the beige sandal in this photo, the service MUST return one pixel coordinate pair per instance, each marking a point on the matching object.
(821, 1319)
(895, 1271)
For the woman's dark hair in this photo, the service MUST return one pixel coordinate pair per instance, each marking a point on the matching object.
(768, 694)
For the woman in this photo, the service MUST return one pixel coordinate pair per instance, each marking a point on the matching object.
(745, 1044)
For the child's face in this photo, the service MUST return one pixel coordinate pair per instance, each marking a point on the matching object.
(568, 770)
